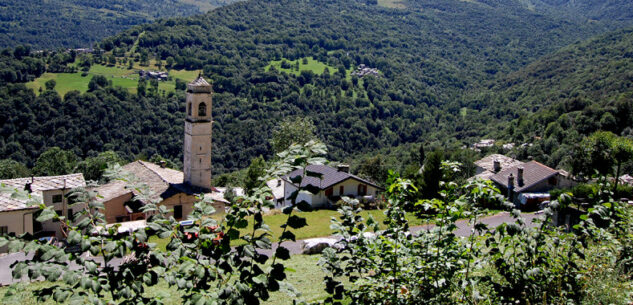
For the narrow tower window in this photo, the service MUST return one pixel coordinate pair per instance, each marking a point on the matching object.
(202, 109)
(189, 108)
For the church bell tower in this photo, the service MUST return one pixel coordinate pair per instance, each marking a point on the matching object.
(197, 150)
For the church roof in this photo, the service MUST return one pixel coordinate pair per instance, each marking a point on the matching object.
(163, 182)
(38, 185)
(199, 85)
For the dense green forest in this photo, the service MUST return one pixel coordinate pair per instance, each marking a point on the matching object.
(433, 58)
(612, 13)
(427, 54)
(80, 23)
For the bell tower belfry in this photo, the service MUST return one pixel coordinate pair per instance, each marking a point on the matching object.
(198, 121)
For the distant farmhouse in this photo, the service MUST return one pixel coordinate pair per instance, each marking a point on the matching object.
(158, 75)
(363, 70)
(17, 217)
(485, 143)
(334, 184)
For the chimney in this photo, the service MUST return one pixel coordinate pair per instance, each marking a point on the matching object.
(343, 168)
(520, 176)
(497, 165)
(162, 163)
(510, 186)
(28, 185)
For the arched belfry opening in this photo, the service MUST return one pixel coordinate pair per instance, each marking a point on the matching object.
(202, 109)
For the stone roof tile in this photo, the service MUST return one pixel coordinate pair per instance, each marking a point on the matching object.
(533, 173)
(37, 185)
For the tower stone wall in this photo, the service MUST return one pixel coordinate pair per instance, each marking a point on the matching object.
(198, 134)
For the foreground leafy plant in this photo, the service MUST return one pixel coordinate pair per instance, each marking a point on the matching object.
(117, 268)
(514, 263)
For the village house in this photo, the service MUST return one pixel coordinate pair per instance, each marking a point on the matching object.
(528, 184)
(159, 75)
(165, 186)
(485, 143)
(492, 164)
(334, 184)
(277, 188)
(363, 70)
(176, 190)
(17, 217)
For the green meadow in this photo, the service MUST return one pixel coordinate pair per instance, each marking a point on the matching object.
(120, 76)
(394, 3)
(312, 65)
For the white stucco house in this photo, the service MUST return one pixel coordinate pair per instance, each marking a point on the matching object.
(334, 184)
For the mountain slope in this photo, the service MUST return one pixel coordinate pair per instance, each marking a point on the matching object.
(609, 12)
(428, 54)
(562, 97)
(79, 23)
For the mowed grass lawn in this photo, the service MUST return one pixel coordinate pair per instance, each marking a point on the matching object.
(307, 277)
(312, 65)
(318, 224)
(120, 76)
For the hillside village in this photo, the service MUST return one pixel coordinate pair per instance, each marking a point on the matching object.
(525, 184)
(222, 152)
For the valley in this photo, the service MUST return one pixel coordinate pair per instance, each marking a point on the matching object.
(329, 151)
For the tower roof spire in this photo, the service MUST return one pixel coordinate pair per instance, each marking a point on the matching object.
(199, 85)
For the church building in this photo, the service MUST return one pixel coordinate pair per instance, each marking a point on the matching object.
(175, 189)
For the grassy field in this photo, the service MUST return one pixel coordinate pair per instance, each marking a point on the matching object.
(120, 76)
(318, 224)
(392, 4)
(307, 278)
(312, 65)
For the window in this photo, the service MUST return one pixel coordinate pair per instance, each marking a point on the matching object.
(189, 108)
(4, 230)
(57, 198)
(341, 190)
(552, 181)
(362, 190)
(71, 217)
(202, 109)
(329, 192)
(178, 211)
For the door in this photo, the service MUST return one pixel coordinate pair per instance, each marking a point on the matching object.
(178, 211)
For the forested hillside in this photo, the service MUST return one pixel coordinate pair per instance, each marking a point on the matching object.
(427, 55)
(54, 24)
(261, 58)
(562, 97)
(612, 13)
